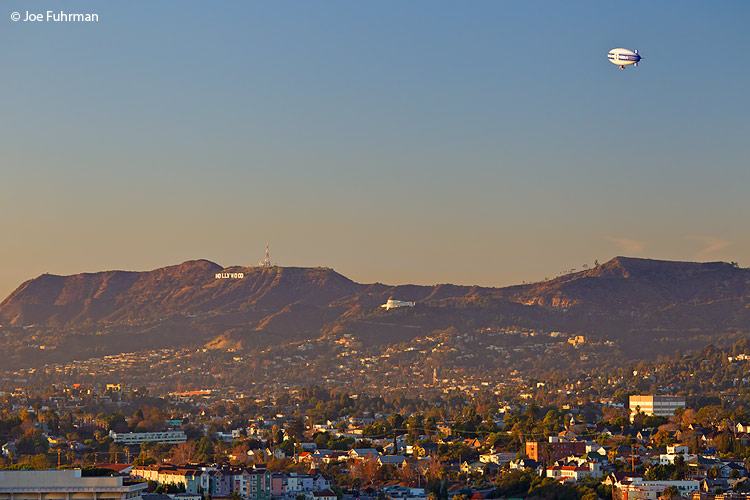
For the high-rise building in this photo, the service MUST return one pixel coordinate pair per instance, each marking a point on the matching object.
(661, 406)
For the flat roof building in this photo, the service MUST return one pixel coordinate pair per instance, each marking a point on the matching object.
(62, 484)
(128, 438)
(661, 406)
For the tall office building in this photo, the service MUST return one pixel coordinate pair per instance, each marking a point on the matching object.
(661, 406)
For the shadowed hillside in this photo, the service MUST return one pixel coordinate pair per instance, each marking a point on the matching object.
(186, 304)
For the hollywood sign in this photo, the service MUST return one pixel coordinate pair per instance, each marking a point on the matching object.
(233, 276)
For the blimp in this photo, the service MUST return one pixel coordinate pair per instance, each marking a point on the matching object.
(624, 57)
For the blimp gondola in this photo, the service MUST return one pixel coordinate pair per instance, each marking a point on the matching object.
(624, 57)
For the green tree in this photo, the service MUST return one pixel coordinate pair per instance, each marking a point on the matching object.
(205, 450)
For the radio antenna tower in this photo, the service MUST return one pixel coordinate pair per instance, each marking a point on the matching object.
(267, 261)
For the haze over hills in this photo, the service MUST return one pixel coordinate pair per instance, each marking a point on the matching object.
(83, 315)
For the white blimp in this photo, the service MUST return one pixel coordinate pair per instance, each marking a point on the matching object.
(624, 57)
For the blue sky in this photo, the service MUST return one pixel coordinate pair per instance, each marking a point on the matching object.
(469, 142)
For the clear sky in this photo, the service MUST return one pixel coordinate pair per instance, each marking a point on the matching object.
(482, 142)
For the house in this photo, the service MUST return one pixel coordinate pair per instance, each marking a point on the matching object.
(699, 466)
(669, 458)
(396, 491)
(363, 453)
(728, 469)
(714, 485)
(277, 453)
(298, 483)
(326, 494)
(615, 478)
(8, 449)
(473, 443)
(497, 458)
(336, 456)
(445, 428)
(396, 460)
(601, 429)
(321, 482)
(594, 456)
(523, 463)
(676, 449)
(318, 455)
(390, 449)
(470, 468)
(278, 484)
(644, 435)
(428, 449)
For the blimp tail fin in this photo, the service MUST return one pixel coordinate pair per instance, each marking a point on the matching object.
(635, 65)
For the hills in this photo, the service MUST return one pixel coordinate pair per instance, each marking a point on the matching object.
(676, 304)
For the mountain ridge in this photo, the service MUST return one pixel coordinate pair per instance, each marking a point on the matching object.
(186, 304)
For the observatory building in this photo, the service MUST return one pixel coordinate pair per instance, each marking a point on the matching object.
(394, 304)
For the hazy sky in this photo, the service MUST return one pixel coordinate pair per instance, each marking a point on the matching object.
(482, 142)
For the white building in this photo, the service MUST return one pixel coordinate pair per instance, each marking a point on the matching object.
(676, 449)
(673, 452)
(394, 304)
(497, 458)
(298, 483)
(56, 484)
(574, 473)
(639, 489)
(661, 406)
(669, 458)
(131, 438)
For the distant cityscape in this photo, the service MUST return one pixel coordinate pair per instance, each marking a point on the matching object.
(449, 438)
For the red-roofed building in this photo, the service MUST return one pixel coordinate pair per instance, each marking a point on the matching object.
(324, 495)
(119, 468)
(573, 472)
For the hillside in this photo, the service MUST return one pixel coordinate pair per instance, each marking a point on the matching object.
(113, 311)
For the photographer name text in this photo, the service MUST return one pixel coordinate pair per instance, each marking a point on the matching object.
(52, 16)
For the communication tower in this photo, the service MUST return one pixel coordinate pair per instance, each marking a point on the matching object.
(267, 261)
